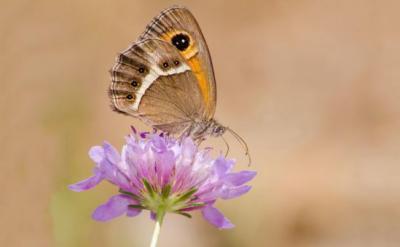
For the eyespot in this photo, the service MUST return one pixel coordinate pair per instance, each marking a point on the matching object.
(129, 96)
(176, 62)
(165, 65)
(134, 83)
(141, 70)
(181, 41)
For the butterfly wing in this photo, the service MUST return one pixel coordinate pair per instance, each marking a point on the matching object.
(152, 81)
(178, 27)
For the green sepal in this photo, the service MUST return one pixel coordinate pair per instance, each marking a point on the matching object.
(193, 205)
(184, 214)
(136, 206)
(136, 197)
(166, 191)
(186, 195)
(149, 188)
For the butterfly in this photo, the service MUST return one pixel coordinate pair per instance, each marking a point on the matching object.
(166, 78)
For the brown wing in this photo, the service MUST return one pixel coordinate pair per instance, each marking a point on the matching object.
(178, 27)
(152, 81)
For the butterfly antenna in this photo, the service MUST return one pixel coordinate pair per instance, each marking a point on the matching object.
(227, 146)
(242, 143)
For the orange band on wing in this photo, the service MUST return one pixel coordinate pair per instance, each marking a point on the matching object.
(195, 65)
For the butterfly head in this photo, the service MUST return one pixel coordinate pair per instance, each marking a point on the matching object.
(217, 130)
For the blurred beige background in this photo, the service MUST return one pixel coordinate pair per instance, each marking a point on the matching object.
(312, 85)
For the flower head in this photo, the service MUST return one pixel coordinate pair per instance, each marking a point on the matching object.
(163, 175)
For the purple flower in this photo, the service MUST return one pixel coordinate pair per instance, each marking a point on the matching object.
(160, 174)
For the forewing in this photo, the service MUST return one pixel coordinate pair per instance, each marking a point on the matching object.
(152, 81)
(177, 22)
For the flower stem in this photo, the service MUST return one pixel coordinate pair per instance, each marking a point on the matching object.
(157, 228)
(156, 233)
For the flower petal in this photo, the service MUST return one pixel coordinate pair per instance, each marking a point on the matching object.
(111, 153)
(229, 193)
(222, 166)
(132, 212)
(153, 215)
(159, 143)
(239, 178)
(216, 218)
(113, 173)
(164, 165)
(96, 153)
(188, 148)
(114, 207)
(87, 183)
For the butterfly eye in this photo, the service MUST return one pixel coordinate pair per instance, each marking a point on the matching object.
(165, 65)
(219, 129)
(181, 41)
(134, 83)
